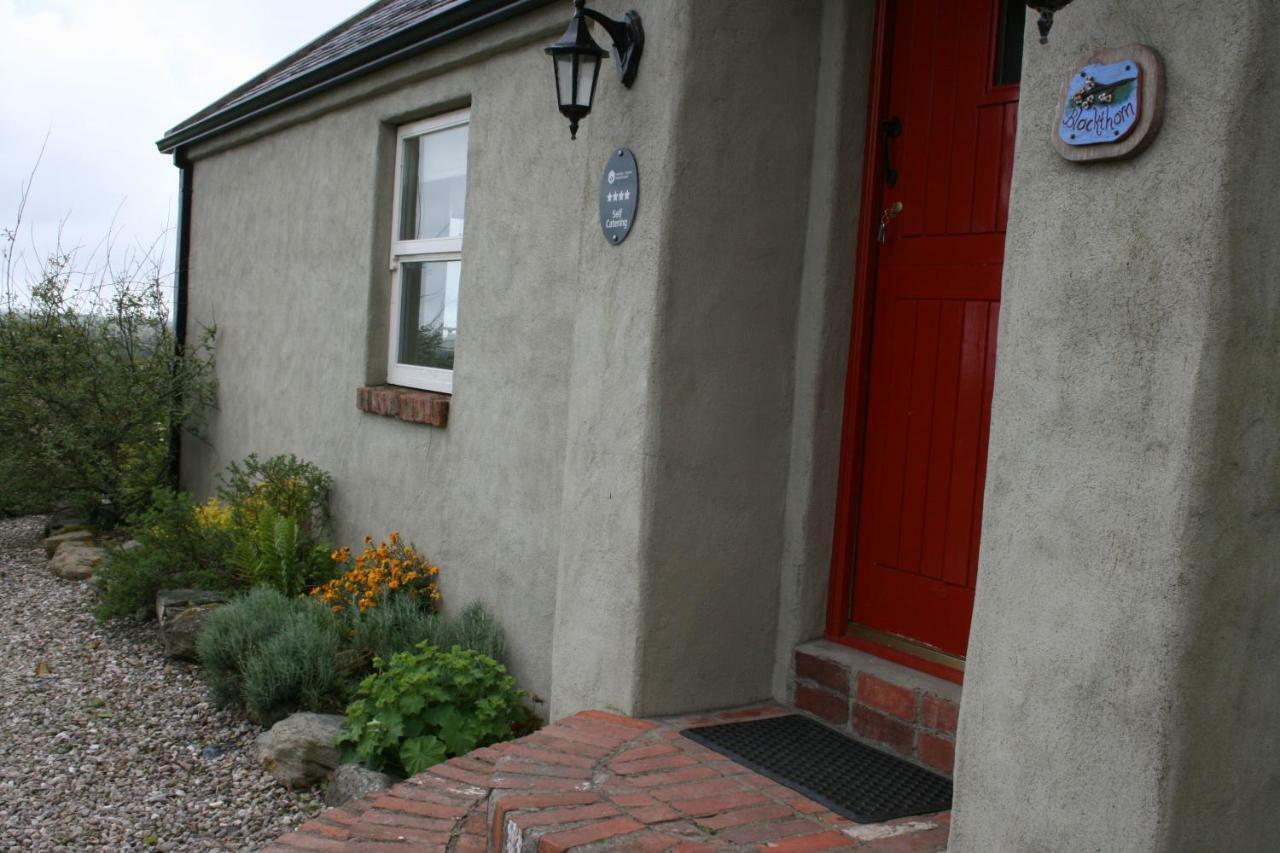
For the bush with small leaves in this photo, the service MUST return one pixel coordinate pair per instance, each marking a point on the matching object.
(476, 628)
(400, 622)
(424, 707)
(174, 551)
(397, 624)
(94, 386)
(297, 669)
(232, 635)
(290, 486)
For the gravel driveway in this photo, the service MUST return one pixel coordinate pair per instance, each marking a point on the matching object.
(115, 748)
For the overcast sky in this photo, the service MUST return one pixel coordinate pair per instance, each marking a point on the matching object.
(104, 79)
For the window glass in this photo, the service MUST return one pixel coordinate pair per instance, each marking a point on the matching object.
(1013, 18)
(434, 190)
(429, 312)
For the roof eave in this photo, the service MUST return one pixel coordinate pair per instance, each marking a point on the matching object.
(450, 23)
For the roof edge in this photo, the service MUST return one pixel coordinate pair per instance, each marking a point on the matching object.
(448, 24)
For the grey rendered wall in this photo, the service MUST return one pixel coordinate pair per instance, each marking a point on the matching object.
(289, 259)
(610, 451)
(1123, 675)
(673, 535)
(613, 476)
(730, 283)
(823, 319)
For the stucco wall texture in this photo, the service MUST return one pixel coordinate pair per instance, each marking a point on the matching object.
(639, 469)
(290, 256)
(1121, 690)
(615, 474)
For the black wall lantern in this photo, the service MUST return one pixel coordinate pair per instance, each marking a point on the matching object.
(576, 59)
(1046, 8)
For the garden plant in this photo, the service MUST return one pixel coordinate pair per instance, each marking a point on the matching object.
(266, 527)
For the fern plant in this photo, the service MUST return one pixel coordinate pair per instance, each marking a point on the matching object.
(278, 555)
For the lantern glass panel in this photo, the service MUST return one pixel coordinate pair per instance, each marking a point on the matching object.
(564, 78)
(588, 67)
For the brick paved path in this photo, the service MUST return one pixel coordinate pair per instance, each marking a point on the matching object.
(598, 781)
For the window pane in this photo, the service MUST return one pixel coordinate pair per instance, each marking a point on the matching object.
(428, 312)
(1013, 17)
(434, 193)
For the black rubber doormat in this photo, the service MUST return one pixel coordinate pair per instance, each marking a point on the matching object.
(850, 778)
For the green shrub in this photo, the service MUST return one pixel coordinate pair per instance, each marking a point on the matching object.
(426, 706)
(297, 669)
(476, 628)
(399, 623)
(293, 488)
(174, 550)
(278, 555)
(93, 384)
(232, 635)
(396, 624)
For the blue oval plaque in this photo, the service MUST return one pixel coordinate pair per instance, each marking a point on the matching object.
(619, 195)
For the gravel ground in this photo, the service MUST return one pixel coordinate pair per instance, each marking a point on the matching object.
(115, 748)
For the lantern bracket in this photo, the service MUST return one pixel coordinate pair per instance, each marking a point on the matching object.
(628, 40)
(1046, 8)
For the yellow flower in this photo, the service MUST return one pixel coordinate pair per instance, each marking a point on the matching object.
(213, 513)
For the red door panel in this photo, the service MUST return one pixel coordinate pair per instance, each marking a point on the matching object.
(933, 326)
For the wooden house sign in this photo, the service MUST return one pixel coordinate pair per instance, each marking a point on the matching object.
(1112, 104)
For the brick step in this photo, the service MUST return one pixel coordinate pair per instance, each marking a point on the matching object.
(880, 702)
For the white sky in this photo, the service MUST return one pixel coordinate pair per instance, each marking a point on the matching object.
(104, 79)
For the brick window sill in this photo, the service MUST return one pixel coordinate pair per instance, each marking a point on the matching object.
(408, 404)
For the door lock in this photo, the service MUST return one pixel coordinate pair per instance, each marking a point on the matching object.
(891, 212)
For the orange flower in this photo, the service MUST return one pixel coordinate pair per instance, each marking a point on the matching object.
(378, 570)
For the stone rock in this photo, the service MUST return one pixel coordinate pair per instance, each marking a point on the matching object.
(351, 781)
(63, 520)
(75, 561)
(181, 614)
(300, 750)
(80, 537)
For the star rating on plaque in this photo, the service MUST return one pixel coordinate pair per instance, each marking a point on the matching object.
(620, 195)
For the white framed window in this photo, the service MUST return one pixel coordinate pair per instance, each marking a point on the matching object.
(426, 251)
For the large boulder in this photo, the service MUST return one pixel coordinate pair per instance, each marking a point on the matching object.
(351, 781)
(301, 750)
(75, 561)
(79, 537)
(181, 614)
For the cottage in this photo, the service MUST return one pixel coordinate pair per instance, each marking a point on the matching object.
(894, 377)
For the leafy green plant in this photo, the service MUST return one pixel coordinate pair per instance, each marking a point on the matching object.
(277, 554)
(232, 635)
(426, 706)
(297, 668)
(292, 487)
(174, 550)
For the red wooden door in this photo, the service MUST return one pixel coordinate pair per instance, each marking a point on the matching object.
(933, 325)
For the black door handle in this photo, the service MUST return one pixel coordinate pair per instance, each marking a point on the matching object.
(892, 129)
